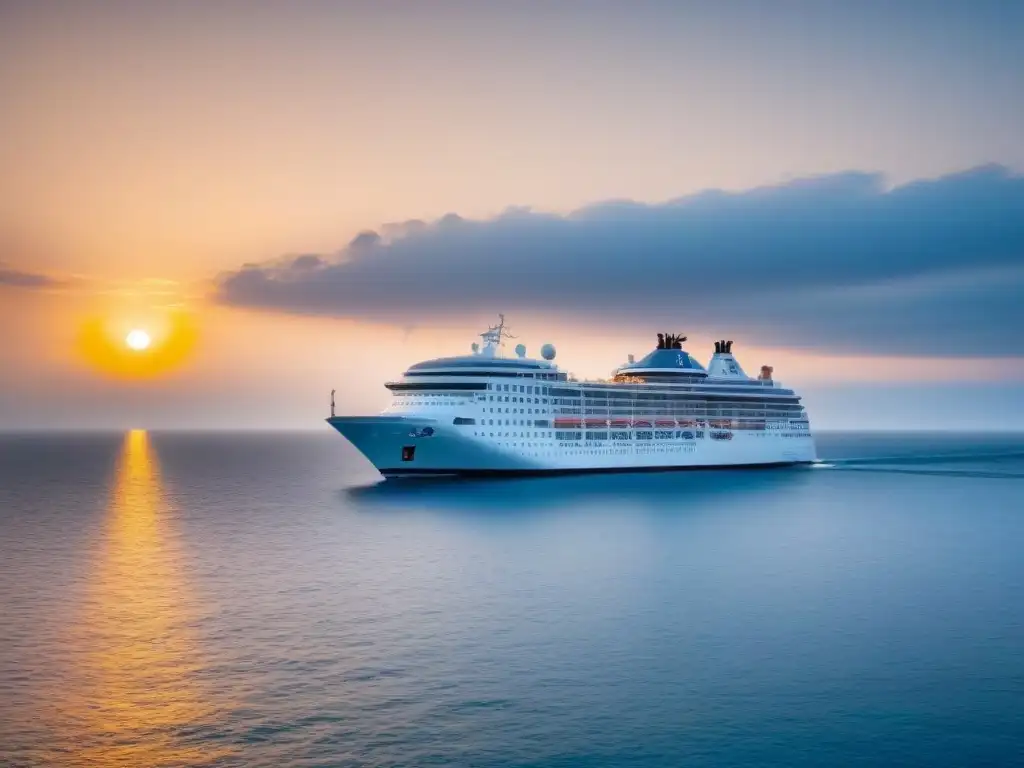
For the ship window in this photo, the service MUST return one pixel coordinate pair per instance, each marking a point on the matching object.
(408, 452)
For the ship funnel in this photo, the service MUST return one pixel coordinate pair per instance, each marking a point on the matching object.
(723, 365)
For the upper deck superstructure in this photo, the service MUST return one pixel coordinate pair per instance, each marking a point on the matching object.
(484, 412)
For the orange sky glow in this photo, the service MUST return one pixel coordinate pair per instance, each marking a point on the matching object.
(147, 150)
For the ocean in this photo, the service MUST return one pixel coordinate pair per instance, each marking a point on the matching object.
(175, 599)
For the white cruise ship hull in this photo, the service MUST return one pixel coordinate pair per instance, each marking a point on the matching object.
(406, 446)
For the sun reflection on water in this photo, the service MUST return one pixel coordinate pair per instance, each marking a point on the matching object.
(140, 700)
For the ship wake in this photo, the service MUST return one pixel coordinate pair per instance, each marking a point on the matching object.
(992, 465)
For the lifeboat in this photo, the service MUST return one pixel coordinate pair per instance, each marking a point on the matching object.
(620, 423)
(564, 423)
(665, 423)
(597, 423)
(642, 424)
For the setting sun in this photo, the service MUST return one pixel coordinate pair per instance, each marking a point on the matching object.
(137, 340)
(137, 350)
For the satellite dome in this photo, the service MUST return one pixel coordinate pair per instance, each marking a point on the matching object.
(520, 350)
(548, 351)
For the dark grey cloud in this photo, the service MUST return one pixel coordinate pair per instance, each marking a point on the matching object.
(934, 267)
(16, 278)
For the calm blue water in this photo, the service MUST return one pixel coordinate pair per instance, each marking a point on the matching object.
(248, 600)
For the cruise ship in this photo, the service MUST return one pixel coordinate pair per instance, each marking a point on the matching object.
(488, 414)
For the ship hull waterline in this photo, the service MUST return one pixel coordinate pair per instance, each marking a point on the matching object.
(404, 447)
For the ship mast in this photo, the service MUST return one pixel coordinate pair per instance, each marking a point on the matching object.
(494, 337)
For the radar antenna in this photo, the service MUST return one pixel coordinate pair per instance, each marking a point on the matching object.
(495, 335)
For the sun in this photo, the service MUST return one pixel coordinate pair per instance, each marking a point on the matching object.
(137, 340)
(153, 343)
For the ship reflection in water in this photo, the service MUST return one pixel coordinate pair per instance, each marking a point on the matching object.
(135, 695)
(695, 490)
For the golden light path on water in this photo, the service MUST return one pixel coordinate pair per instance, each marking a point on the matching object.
(137, 698)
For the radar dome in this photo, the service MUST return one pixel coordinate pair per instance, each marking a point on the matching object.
(548, 351)
(520, 350)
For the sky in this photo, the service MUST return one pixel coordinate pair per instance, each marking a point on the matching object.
(295, 197)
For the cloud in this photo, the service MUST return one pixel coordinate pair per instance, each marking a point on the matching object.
(15, 278)
(838, 262)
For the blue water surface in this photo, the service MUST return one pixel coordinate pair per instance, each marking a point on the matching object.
(173, 599)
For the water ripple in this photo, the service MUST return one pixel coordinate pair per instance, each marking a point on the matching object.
(251, 600)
